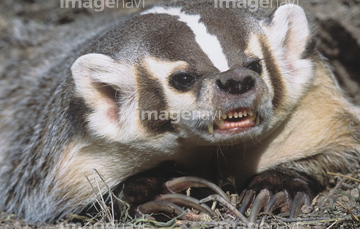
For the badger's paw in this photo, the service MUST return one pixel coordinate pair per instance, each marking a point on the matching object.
(162, 192)
(171, 204)
(276, 190)
(270, 191)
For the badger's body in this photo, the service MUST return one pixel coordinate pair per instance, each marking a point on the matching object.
(163, 87)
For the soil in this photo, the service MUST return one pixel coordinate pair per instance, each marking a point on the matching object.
(28, 26)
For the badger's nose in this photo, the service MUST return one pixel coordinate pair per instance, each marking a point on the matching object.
(236, 81)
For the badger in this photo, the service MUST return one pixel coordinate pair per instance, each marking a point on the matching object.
(220, 92)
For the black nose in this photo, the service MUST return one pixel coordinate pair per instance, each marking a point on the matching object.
(237, 85)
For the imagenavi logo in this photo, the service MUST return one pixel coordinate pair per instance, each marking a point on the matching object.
(252, 5)
(100, 5)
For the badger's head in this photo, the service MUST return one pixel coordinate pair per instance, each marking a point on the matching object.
(196, 73)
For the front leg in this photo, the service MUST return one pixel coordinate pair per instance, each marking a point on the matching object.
(288, 186)
(159, 190)
(146, 186)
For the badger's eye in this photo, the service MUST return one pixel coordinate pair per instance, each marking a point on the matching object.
(182, 81)
(255, 66)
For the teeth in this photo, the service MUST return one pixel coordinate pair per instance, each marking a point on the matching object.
(251, 118)
(211, 128)
(239, 114)
(257, 122)
(220, 122)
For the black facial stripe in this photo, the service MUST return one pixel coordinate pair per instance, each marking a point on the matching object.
(232, 39)
(174, 40)
(152, 99)
(275, 75)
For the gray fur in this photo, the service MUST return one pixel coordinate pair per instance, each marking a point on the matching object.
(41, 113)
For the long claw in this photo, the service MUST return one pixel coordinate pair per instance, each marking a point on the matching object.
(182, 183)
(162, 206)
(247, 200)
(260, 202)
(226, 204)
(187, 201)
(279, 200)
(299, 200)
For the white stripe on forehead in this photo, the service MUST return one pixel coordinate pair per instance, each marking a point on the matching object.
(207, 42)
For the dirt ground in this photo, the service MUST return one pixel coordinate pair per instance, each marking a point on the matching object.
(31, 29)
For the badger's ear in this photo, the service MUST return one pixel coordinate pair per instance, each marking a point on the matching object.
(102, 81)
(289, 31)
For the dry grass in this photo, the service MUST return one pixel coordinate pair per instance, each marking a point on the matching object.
(338, 207)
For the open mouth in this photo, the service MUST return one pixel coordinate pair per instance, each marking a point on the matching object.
(240, 119)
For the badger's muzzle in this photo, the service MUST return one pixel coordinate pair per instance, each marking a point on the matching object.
(237, 94)
(237, 81)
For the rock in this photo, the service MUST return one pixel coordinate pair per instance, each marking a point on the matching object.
(355, 193)
(306, 209)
